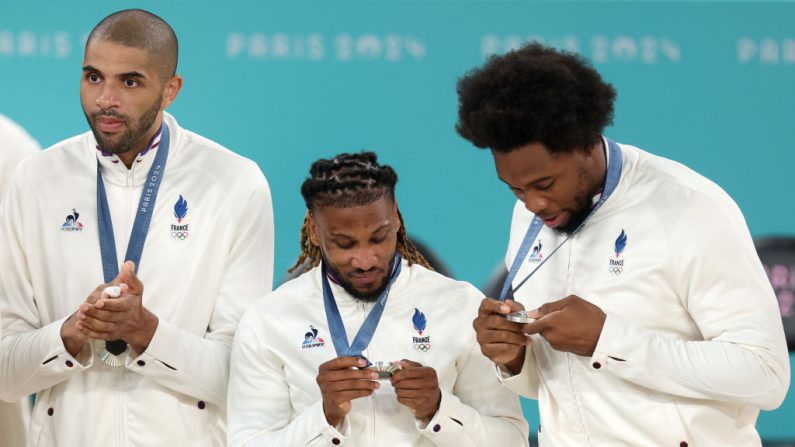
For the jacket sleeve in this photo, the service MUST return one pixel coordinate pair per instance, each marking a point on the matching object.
(479, 411)
(32, 355)
(259, 411)
(199, 366)
(527, 381)
(742, 357)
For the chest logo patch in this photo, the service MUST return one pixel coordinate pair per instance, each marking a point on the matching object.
(616, 265)
(180, 231)
(535, 254)
(421, 341)
(71, 223)
(311, 340)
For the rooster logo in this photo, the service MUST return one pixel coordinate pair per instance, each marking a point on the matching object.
(71, 223)
(536, 253)
(311, 336)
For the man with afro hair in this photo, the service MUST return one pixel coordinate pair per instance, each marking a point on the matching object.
(650, 320)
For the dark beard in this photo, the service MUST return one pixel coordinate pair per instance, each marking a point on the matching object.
(575, 220)
(135, 132)
(369, 297)
(584, 206)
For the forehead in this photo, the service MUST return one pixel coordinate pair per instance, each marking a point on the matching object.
(529, 163)
(354, 221)
(112, 57)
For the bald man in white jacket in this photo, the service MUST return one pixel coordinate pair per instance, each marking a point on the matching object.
(72, 217)
(15, 144)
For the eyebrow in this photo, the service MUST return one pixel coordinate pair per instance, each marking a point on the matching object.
(377, 230)
(129, 74)
(530, 183)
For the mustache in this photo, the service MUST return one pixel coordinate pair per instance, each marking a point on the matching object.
(109, 113)
(361, 271)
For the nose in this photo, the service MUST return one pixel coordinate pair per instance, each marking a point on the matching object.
(108, 97)
(535, 203)
(364, 259)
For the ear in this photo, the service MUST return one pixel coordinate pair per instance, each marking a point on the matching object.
(171, 90)
(314, 232)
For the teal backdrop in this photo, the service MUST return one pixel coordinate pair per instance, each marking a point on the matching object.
(709, 84)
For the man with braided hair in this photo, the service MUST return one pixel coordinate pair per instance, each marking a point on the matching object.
(295, 380)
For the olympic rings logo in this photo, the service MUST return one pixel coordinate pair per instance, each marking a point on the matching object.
(616, 270)
(181, 235)
(424, 347)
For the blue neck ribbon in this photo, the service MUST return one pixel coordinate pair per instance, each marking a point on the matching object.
(146, 207)
(366, 331)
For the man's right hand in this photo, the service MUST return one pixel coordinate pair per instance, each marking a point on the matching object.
(340, 382)
(501, 340)
(73, 339)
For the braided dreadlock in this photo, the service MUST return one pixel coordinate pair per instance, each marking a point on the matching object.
(344, 181)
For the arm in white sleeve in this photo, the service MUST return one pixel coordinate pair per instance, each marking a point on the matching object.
(32, 355)
(259, 410)
(479, 411)
(743, 355)
(527, 381)
(199, 366)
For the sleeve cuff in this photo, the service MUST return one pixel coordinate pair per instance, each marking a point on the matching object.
(160, 351)
(162, 345)
(518, 382)
(333, 435)
(58, 360)
(447, 425)
(605, 351)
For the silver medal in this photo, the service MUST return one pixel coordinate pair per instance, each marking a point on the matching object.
(385, 369)
(520, 317)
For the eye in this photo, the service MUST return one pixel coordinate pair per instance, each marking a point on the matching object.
(344, 245)
(92, 78)
(129, 82)
(545, 186)
(518, 193)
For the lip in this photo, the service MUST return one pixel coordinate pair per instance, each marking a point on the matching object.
(109, 125)
(555, 221)
(366, 278)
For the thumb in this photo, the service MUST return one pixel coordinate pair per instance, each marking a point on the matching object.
(550, 307)
(409, 363)
(515, 306)
(127, 276)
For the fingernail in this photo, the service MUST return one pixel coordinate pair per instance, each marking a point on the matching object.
(374, 376)
(377, 385)
(361, 362)
(505, 309)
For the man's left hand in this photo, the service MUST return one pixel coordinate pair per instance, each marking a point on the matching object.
(570, 325)
(122, 318)
(417, 387)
